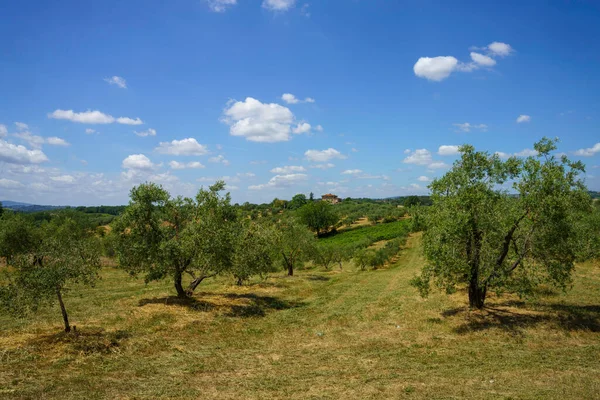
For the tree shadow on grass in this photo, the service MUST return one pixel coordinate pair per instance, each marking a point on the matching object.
(89, 340)
(229, 304)
(515, 316)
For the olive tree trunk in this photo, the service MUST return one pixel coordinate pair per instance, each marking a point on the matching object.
(63, 310)
(178, 285)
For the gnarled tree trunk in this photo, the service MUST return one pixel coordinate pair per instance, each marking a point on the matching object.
(178, 285)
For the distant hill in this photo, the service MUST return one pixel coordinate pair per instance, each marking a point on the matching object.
(26, 207)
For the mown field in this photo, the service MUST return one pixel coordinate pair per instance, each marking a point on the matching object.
(320, 335)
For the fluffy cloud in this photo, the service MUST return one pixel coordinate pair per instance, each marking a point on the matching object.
(466, 127)
(483, 60)
(117, 81)
(323, 155)
(184, 147)
(419, 157)
(523, 118)
(221, 5)
(291, 99)
(3, 130)
(352, 172)
(526, 153)
(56, 141)
(259, 122)
(590, 151)
(500, 49)
(92, 117)
(219, 159)
(288, 169)
(149, 132)
(302, 127)
(190, 165)
(439, 68)
(435, 68)
(280, 181)
(448, 150)
(138, 162)
(18, 154)
(278, 5)
(424, 178)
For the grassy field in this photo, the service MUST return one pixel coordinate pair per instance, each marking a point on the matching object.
(317, 335)
(368, 234)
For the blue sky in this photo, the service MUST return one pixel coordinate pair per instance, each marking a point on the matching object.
(358, 98)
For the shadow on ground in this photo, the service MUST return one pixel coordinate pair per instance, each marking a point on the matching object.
(230, 304)
(515, 316)
(89, 340)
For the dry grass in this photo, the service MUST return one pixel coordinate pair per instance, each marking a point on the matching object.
(325, 335)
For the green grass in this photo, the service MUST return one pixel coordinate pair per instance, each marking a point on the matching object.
(321, 335)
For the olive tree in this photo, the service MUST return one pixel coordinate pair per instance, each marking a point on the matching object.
(255, 252)
(318, 216)
(161, 236)
(294, 243)
(482, 235)
(18, 235)
(66, 254)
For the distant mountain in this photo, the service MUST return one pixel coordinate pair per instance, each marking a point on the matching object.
(26, 207)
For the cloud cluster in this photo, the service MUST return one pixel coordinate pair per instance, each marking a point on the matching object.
(221, 5)
(184, 147)
(466, 127)
(149, 132)
(189, 165)
(92, 117)
(18, 154)
(278, 5)
(288, 169)
(523, 118)
(323, 155)
(448, 150)
(590, 151)
(423, 157)
(280, 181)
(439, 68)
(291, 99)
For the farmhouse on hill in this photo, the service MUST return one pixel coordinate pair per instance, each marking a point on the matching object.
(331, 198)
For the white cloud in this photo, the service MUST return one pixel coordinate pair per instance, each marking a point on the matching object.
(219, 159)
(190, 165)
(92, 117)
(407, 151)
(149, 132)
(466, 127)
(424, 178)
(3, 130)
(288, 169)
(259, 122)
(448, 150)
(18, 154)
(323, 166)
(437, 165)
(291, 99)
(319, 128)
(419, 157)
(56, 141)
(117, 80)
(278, 5)
(526, 153)
(435, 68)
(221, 5)
(21, 126)
(439, 68)
(500, 49)
(138, 162)
(523, 118)
(302, 127)
(279, 181)
(590, 151)
(9, 184)
(89, 131)
(129, 121)
(184, 147)
(63, 178)
(323, 155)
(482, 60)
(352, 172)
